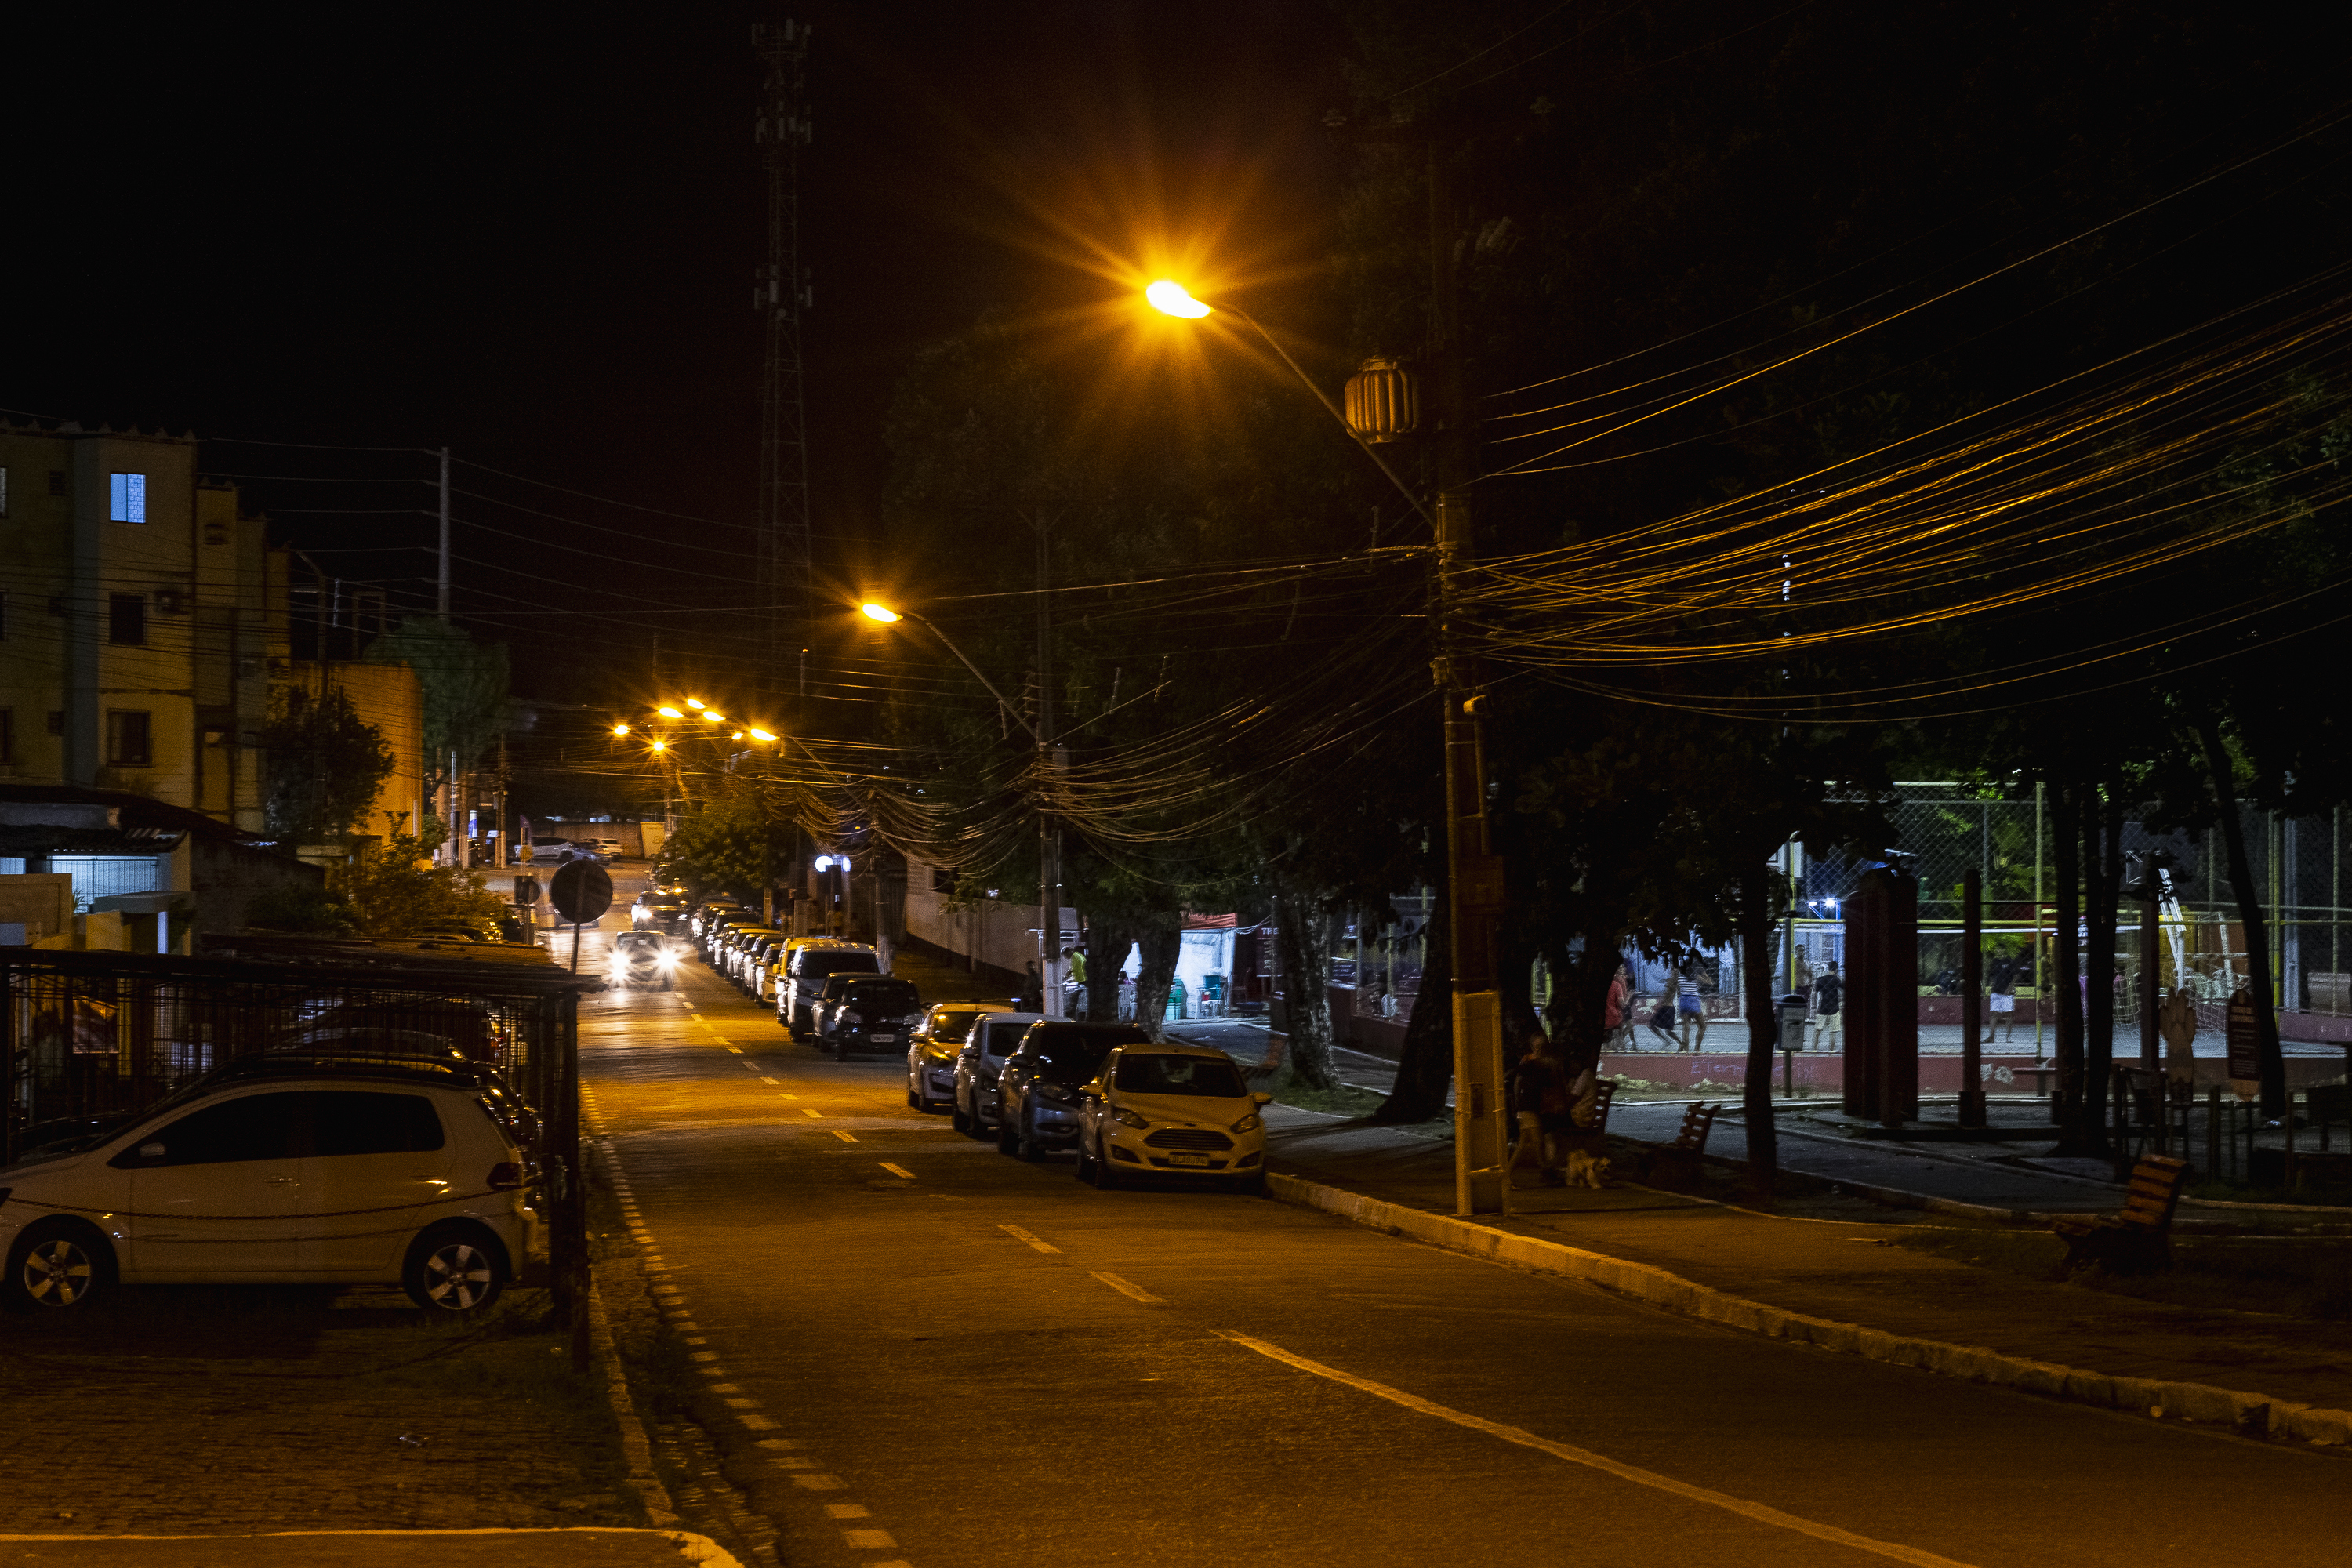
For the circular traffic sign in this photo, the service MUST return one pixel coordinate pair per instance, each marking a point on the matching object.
(581, 891)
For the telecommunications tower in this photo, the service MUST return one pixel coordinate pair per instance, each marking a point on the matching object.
(781, 293)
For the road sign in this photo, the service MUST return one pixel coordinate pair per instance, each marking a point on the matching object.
(581, 891)
(526, 890)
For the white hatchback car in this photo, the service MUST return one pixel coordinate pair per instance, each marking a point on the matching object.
(1171, 1110)
(282, 1170)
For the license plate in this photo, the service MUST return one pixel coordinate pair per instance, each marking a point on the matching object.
(883, 1040)
(1188, 1159)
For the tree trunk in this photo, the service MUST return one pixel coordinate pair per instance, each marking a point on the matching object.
(2103, 849)
(1302, 934)
(1107, 941)
(1161, 941)
(1425, 1063)
(2066, 810)
(1579, 1024)
(1757, 896)
(2270, 1061)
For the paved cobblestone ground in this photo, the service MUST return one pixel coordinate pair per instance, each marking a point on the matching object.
(235, 1411)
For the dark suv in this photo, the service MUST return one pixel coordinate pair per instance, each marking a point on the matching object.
(872, 1013)
(1037, 1092)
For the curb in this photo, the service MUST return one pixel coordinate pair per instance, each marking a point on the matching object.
(2250, 1415)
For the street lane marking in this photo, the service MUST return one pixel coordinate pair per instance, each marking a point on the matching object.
(818, 1483)
(1020, 1235)
(1127, 1289)
(869, 1539)
(848, 1511)
(1761, 1512)
(763, 1076)
(898, 1170)
(844, 1137)
(806, 1111)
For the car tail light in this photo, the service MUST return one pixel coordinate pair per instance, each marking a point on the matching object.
(504, 1176)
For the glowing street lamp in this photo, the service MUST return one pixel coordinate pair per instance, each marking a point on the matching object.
(620, 729)
(1170, 298)
(669, 713)
(762, 735)
(881, 613)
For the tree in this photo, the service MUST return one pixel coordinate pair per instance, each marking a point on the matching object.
(392, 889)
(325, 766)
(465, 689)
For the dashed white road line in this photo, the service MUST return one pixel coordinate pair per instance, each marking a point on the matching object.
(1018, 1233)
(1761, 1514)
(1125, 1287)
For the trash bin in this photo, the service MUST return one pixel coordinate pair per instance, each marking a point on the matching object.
(1793, 1010)
(1175, 1000)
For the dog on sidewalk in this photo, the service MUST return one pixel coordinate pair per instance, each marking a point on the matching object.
(1588, 1170)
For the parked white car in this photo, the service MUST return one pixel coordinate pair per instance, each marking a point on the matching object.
(1169, 1111)
(280, 1170)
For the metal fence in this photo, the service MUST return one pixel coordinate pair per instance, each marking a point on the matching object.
(87, 1036)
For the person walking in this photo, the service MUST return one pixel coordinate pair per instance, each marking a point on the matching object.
(1661, 1016)
(1540, 1105)
(1828, 1001)
(1691, 1008)
(2000, 995)
(1612, 1011)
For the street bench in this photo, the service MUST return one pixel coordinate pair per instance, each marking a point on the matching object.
(2139, 1236)
(1677, 1166)
(1604, 1094)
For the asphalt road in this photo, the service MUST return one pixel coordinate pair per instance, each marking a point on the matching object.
(947, 1357)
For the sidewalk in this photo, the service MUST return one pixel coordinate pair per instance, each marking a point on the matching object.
(1829, 1258)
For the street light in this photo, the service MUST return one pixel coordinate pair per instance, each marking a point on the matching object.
(1475, 882)
(1049, 832)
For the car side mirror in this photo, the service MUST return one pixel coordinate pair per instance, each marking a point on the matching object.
(1262, 1099)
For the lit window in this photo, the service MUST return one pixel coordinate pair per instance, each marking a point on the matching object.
(126, 619)
(126, 498)
(129, 743)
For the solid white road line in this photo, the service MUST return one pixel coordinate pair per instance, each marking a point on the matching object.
(1127, 1289)
(1758, 1511)
(1018, 1233)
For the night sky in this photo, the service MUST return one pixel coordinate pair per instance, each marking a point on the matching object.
(531, 234)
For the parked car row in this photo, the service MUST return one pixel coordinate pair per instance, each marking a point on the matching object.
(1129, 1106)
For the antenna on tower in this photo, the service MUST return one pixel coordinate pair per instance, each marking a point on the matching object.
(780, 292)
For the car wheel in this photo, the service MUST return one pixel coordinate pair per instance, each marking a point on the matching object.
(1106, 1174)
(1024, 1143)
(1085, 1167)
(1007, 1143)
(915, 1101)
(455, 1268)
(959, 1118)
(1255, 1185)
(56, 1263)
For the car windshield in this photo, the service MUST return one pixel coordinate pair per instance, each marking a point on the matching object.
(1204, 1076)
(816, 966)
(1071, 1060)
(953, 1028)
(880, 997)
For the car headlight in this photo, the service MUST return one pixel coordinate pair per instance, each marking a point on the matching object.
(1249, 1123)
(1127, 1118)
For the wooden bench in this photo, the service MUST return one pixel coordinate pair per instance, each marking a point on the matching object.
(1677, 1166)
(2137, 1238)
(1604, 1094)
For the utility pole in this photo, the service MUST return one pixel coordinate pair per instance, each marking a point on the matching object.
(1049, 760)
(1481, 1155)
(780, 292)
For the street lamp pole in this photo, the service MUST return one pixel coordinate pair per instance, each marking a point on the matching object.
(1475, 872)
(1049, 834)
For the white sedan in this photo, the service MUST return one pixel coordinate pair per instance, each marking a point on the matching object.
(1171, 1110)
